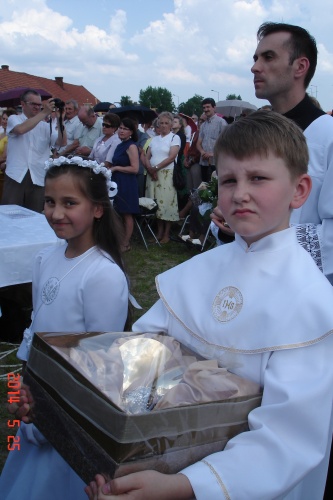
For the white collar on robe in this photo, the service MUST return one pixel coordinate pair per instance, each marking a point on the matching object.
(266, 297)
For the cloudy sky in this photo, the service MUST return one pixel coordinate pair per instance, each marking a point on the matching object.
(117, 47)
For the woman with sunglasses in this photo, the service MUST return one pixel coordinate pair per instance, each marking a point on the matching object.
(106, 144)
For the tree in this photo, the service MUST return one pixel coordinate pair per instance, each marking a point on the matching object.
(158, 98)
(125, 100)
(233, 97)
(192, 105)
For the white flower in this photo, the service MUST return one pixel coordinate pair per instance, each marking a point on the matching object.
(97, 168)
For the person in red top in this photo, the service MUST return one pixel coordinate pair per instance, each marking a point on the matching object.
(192, 159)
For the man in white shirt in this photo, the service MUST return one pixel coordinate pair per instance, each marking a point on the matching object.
(209, 132)
(92, 129)
(284, 63)
(29, 143)
(73, 126)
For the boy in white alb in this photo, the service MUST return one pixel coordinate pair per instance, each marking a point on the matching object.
(262, 308)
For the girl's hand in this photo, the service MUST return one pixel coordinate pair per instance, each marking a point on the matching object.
(146, 485)
(94, 486)
(22, 410)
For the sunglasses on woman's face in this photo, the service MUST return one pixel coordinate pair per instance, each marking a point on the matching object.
(106, 125)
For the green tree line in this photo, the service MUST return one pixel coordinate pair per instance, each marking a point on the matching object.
(160, 99)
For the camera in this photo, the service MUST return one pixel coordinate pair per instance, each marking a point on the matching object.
(60, 106)
(58, 103)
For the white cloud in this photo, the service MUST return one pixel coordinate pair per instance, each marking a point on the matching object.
(31, 21)
(326, 60)
(38, 26)
(192, 48)
(213, 39)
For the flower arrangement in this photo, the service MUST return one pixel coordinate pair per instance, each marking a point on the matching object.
(208, 197)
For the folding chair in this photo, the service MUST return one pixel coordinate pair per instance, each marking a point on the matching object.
(197, 242)
(206, 239)
(186, 221)
(144, 220)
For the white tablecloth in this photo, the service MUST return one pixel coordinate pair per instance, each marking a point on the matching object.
(23, 233)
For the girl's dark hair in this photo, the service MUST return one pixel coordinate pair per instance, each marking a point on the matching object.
(108, 231)
(127, 122)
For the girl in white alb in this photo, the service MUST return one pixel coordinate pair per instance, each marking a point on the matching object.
(79, 286)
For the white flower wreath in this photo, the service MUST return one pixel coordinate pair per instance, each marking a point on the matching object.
(97, 168)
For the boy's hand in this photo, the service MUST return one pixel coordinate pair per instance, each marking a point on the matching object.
(220, 222)
(146, 485)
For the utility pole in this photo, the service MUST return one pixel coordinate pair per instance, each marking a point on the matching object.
(218, 94)
(174, 95)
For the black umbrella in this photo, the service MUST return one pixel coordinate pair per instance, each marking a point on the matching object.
(142, 113)
(102, 107)
(12, 97)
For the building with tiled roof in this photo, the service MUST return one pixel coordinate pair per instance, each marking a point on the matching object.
(57, 88)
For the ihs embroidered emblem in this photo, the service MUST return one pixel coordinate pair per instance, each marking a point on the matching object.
(50, 290)
(227, 304)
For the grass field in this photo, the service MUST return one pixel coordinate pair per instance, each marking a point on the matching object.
(142, 268)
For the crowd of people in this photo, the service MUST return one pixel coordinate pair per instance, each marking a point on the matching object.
(261, 305)
(144, 170)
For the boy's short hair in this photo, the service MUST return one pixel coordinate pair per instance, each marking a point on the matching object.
(263, 132)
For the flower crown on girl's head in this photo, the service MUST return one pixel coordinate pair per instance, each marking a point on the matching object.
(97, 168)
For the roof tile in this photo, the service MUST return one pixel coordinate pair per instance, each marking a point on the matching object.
(65, 91)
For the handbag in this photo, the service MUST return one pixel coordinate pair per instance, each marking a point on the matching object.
(178, 178)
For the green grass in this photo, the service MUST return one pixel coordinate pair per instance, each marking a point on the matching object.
(142, 267)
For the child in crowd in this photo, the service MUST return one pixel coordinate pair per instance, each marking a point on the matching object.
(263, 309)
(78, 286)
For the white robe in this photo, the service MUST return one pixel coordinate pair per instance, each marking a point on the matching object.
(318, 209)
(265, 313)
(85, 293)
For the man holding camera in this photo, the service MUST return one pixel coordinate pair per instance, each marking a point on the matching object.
(29, 141)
